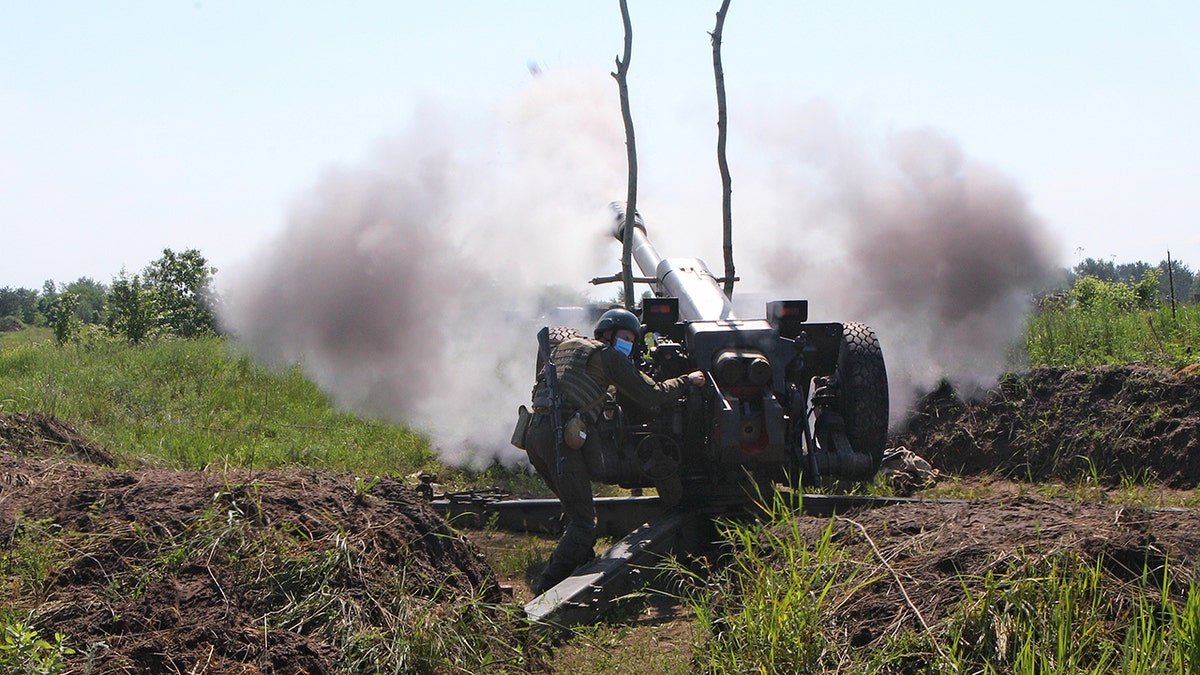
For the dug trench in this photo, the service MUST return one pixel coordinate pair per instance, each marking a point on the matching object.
(270, 571)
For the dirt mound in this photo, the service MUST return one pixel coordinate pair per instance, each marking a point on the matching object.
(217, 572)
(1114, 424)
(42, 434)
(922, 561)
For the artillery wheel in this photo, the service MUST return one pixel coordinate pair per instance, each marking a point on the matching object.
(861, 379)
(561, 333)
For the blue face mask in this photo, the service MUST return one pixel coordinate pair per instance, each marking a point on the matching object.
(624, 346)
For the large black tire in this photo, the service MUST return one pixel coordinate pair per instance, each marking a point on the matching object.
(560, 333)
(862, 386)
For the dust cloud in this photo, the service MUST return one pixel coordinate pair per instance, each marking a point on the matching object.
(411, 287)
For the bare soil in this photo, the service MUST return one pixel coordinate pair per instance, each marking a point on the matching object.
(203, 617)
(1116, 424)
(1109, 429)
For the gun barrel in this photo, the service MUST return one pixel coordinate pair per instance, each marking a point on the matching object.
(689, 279)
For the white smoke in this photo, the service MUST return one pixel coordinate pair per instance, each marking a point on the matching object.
(411, 288)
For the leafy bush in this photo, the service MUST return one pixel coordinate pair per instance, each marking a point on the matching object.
(130, 309)
(63, 319)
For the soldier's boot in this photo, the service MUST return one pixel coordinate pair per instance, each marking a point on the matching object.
(574, 549)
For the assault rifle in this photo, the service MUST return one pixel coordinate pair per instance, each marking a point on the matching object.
(551, 373)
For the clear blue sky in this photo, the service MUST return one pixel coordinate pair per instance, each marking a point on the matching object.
(130, 126)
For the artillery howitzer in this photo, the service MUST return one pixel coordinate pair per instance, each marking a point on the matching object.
(786, 402)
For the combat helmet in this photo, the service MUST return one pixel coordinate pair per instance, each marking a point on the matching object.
(615, 319)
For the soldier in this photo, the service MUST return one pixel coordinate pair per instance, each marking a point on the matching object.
(586, 368)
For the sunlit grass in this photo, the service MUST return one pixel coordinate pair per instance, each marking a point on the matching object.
(1074, 337)
(196, 403)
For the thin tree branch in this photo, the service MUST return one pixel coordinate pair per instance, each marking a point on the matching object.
(722, 162)
(631, 152)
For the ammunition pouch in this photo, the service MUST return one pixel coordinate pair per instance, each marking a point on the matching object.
(524, 417)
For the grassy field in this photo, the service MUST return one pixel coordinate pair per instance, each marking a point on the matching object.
(197, 403)
(1073, 337)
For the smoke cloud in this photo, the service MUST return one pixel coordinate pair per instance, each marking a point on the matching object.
(411, 287)
(938, 252)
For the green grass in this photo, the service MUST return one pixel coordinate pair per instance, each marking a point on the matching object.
(196, 403)
(1074, 337)
(1060, 614)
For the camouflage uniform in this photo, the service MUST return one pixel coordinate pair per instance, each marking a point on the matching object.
(585, 370)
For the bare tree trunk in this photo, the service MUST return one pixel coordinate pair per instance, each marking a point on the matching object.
(1171, 282)
(722, 162)
(631, 148)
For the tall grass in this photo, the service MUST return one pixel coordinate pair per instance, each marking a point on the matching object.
(195, 403)
(763, 611)
(777, 608)
(1063, 613)
(1103, 334)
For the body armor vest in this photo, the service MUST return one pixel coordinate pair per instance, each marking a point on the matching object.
(576, 388)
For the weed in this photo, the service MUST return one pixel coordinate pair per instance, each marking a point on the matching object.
(764, 610)
(33, 553)
(22, 650)
(363, 487)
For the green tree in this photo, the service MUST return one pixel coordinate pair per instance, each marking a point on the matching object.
(1179, 276)
(62, 317)
(91, 299)
(179, 286)
(1147, 289)
(47, 298)
(131, 312)
(20, 303)
(1101, 270)
(1131, 273)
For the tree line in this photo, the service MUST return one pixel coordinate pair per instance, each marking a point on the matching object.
(1168, 280)
(171, 296)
